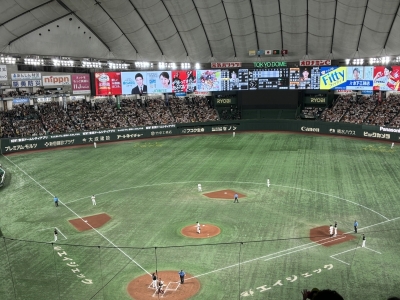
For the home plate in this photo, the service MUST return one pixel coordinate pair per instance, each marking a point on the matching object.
(225, 193)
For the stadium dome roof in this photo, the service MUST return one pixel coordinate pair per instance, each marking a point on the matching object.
(200, 30)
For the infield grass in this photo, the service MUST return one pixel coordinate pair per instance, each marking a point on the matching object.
(149, 188)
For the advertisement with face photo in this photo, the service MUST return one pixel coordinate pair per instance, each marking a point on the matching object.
(305, 78)
(386, 78)
(134, 83)
(179, 81)
(159, 82)
(208, 80)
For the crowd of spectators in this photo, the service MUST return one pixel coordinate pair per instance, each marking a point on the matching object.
(311, 112)
(337, 111)
(359, 109)
(386, 112)
(183, 110)
(53, 117)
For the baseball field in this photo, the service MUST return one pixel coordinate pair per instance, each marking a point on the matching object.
(271, 245)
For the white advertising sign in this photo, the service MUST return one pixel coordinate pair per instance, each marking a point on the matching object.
(56, 80)
(26, 76)
(26, 83)
(3, 72)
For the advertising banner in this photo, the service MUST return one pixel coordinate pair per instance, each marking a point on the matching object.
(26, 76)
(56, 80)
(218, 65)
(134, 83)
(3, 72)
(108, 83)
(317, 100)
(208, 80)
(26, 83)
(315, 62)
(387, 78)
(159, 82)
(80, 83)
(346, 78)
(184, 81)
(21, 101)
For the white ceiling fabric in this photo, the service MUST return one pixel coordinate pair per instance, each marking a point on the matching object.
(200, 30)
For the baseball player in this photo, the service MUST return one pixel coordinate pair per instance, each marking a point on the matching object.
(392, 146)
(236, 200)
(268, 183)
(93, 200)
(160, 286)
(363, 239)
(154, 282)
(355, 226)
(55, 234)
(199, 187)
(55, 201)
(198, 227)
(335, 228)
(330, 230)
(95, 145)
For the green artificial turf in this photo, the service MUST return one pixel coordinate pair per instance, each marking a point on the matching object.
(149, 188)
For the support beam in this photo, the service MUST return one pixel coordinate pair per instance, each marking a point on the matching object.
(202, 25)
(362, 25)
(176, 28)
(145, 24)
(391, 26)
(229, 26)
(280, 21)
(255, 24)
(334, 24)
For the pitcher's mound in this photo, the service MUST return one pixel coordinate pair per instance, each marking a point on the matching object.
(140, 288)
(321, 236)
(207, 231)
(224, 194)
(95, 221)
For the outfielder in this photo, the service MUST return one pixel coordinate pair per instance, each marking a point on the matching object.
(93, 200)
(94, 145)
(55, 234)
(199, 187)
(268, 183)
(363, 239)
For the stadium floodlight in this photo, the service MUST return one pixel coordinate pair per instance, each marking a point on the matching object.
(385, 59)
(33, 61)
(197, 66)
(91, 64)
(398, 59)
(112, 65)
(185, 66)
(8, 60)
(347, 61)
(358, 61)
(374, 60)
(161, 65)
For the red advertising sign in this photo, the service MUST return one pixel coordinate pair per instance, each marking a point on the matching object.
(108, 83)
(387, 78)
(80, 84)
(234, 64)
(315, 62)
(184, 81)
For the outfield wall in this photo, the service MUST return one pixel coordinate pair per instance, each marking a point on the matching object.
(134, 133)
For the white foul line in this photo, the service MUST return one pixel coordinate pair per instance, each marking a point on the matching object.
(78, 216)
(61, 232)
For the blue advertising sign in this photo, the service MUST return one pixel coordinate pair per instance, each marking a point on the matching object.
(20, 100)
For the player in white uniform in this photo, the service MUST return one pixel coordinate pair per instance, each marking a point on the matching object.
(95, 145)
(93, 200)
(268, 183)
(199, 187)
(363, 239)
(335, 228)
(55, 234)
(330, 230)
(392, 146)
(197, 227)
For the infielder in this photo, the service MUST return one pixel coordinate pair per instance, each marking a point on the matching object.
(363, 239)
(335, 228)
(198, 227)
(330, 230)
(199, 187)
(55, 234)
(93, 200)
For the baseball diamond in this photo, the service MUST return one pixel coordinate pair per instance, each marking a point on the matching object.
(282, 228)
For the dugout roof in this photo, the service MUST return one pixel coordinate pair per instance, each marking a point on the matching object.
(200, 30)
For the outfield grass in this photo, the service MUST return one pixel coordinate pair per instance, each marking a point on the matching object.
(149, 188)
